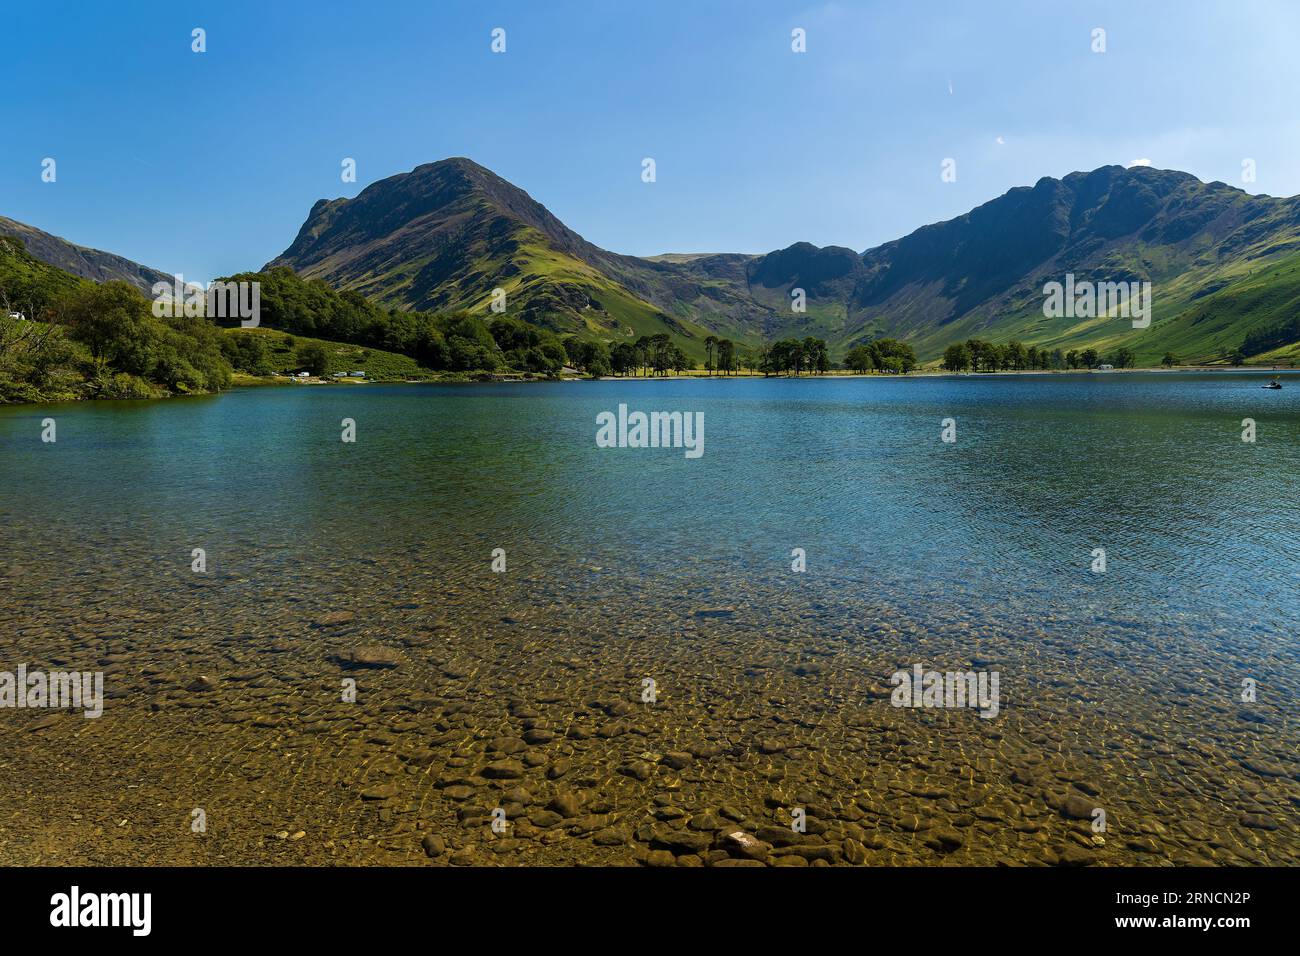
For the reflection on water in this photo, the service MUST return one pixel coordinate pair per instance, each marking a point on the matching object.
(522, 690)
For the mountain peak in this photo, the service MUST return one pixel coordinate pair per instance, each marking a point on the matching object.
(462, 163)
(448, 193)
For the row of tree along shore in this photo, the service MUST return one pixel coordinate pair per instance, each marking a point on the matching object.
(977, 355)
(657, 355)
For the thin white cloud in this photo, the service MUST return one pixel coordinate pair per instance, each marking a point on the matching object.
(1139, 162)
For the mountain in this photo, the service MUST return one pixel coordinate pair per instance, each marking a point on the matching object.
(80, 260)
(983, 273)
(446, 234)
(28, 285)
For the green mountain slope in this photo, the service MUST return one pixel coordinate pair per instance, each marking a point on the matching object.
(982, 275)
(446, 234)
(81, 261)
(1216, 323)
(28, 285)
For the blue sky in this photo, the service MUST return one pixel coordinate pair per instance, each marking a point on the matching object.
(208, 163)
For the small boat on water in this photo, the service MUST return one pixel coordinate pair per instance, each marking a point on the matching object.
(1273, 384)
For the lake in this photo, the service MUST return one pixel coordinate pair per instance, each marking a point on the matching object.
(648, 668)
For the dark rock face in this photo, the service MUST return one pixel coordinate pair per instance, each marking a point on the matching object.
(82, 261)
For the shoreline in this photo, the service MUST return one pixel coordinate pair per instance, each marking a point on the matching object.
(243, 381)
(939, 373)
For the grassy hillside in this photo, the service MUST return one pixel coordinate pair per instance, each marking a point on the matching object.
(81, 261)
(1200, 315)
(73, 339)
(1196, 321)
(29, 285)
(543, 287)
(282, 353)
(1221, 321)
(981, 275)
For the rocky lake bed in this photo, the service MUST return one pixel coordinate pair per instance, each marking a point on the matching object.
(648, 680)
(461, 713)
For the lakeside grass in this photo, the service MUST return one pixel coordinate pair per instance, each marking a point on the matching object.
(282, 354)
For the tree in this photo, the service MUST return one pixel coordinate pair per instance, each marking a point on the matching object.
(1123, 358)
(786, 355)
(1237, 357)
(592, 357)
(1090, 358)
(1169, 361)
(313, 358)
(30, 352)
(247, 352)
(898, 357)
(726, 356)
(859, 359)
(623, 358)
(661, 353)
(428, 347)
(956, 357)
(677, 360)
(710, 343)
(113, 321)
(814, 355)
(1271, 336)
